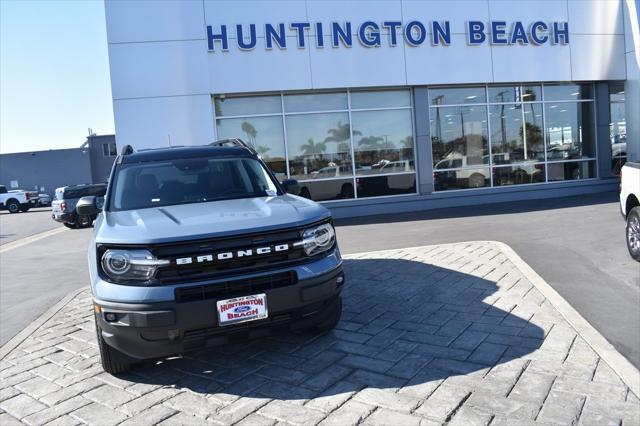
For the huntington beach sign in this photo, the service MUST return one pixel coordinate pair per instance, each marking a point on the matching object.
(387, 33)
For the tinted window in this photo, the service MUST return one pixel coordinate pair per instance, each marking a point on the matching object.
(191, 180)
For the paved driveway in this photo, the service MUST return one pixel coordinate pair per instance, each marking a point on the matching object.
(577, 244)
(453, 334)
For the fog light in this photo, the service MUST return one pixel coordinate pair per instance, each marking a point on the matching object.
(110, 317)
(340, 280)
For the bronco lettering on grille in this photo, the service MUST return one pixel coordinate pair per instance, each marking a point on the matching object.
(227, 255)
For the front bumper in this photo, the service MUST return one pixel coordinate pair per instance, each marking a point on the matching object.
(154, 330)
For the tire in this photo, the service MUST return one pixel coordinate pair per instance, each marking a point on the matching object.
(83, 221)
(112, 360)
(334, 313)
(70, 225)
(304, 192)
(13, 206)
(633, 233)
(476, 181)
(346, 191)
(25, 208)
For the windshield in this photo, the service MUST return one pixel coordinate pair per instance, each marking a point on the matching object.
(190, 180)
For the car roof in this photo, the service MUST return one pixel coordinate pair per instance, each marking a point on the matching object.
(173, 153)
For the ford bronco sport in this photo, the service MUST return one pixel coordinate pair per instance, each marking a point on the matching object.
(197, 246)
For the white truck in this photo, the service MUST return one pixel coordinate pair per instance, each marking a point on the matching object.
(630, 206)
(14, 201)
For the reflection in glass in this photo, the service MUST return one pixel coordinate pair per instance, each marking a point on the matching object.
(501, 94)
(461, 179)
(381, 99)
(617, 127)
(458, 95)
(374, 186)
(569, 130)
(246, 105)
(382, 139)
(459, 136)
(518, 174)
(571, 170)
(315, 102)
(324, 190)
(264, 134)
(318, 143)
(511, 142)
(567, 92)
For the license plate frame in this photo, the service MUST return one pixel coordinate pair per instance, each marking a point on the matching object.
(237, 310)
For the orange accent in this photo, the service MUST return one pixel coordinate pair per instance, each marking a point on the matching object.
(96, 308)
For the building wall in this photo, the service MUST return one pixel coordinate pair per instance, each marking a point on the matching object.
(45, 171)
(100, 164)
(163, 75)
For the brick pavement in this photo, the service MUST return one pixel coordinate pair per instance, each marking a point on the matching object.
(450, 334)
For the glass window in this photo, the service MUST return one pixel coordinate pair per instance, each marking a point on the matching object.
(319, 144)
(501, 94)
(461, 179)
(315, 102)
(326, 190)
(617, 127)
(507, 137)
(567, 92)
(190, 180)
(264, 134)
(571, 170)
(247, 105)
(453, 96)
(459, 136)
(383, 141)
(569, 130)
(531, 93)
(381, 99)
(518, 174)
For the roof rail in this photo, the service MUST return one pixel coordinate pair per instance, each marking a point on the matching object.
(235, 142)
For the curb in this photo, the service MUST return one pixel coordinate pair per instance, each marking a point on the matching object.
(8, 347)
(627, 372)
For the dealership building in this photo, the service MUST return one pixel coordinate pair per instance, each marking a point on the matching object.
(390, 105)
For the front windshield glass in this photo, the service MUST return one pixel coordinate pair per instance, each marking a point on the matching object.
(189, 180)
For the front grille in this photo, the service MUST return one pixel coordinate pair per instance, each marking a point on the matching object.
(195, 271)
(235, 288)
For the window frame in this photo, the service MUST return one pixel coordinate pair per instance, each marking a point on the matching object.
(541, 102)
(283, 114)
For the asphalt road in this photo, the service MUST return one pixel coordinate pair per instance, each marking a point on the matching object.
(576, 244)
(20, 225)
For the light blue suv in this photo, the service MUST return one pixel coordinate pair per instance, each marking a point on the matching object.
(196, 246)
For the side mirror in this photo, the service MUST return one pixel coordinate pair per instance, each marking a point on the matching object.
(291, 186)
(88, 206)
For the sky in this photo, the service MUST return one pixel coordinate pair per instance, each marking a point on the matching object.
(54, 74)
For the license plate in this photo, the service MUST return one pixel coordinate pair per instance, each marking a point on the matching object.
(241, 309)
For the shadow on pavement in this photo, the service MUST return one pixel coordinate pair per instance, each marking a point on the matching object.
(405, 324)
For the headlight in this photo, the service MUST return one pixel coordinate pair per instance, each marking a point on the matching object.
(136, 265)
(318, 239)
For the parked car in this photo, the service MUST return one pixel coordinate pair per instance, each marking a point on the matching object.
(15, 200)
(630, 206)
(63, 208)
(197, 246)
(44, 200)
(332, 188)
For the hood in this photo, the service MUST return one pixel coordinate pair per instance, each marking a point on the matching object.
(207, 220)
